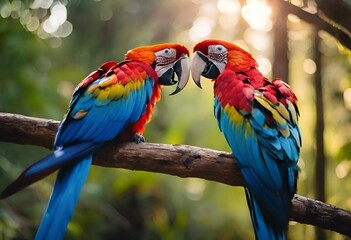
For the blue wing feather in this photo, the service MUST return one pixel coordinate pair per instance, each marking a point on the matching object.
(103, 121)
(88, 124)
(49, 164)
(141, 97)
(149, 85)
(267, 160)
(135, 111)
(123, 110)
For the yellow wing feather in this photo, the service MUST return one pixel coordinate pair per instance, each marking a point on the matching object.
(281, 121)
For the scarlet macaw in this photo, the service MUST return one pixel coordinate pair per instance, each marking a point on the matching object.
(259, 120)
(113, 102)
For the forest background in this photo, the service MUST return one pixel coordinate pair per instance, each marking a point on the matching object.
(47, 47)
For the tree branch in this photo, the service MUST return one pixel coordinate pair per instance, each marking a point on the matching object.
(178, 160)
(341, 31)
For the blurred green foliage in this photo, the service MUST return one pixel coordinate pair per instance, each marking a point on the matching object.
(38, 75)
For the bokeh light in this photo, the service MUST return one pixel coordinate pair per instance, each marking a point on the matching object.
(229, 6)
(32, 24)
(264, 65)
(257, 14)
(125, 24)
(342, 169)
(309, 66)
(293, 18)
(347, 98)
(259, 40)
(195, 188)
(45, 4)
(201, 28)
(48, 19)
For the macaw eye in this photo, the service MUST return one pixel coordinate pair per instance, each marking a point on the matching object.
(219, 49)
(217, 53)
(166, 53)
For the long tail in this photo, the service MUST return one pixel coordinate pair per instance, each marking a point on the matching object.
(49, 164)
(69, 183)
(74, 162)
(263, 228)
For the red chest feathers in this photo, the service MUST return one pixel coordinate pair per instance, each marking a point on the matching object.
(235, 90)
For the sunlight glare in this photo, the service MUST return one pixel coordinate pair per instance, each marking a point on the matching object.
(57, 25)
(25, 16)
(228, 6)
(50, 25)
(228, 21)
(342, 169)
(64, 30)
(347, 98)
(45, 4)
(259, 40)
(202, 27)
(264, 65)
(195, 188)
(257, 14)
(311, 7)
(309, 66)
(293, 18)
(33, 24)
(229, 10)
(59, 12)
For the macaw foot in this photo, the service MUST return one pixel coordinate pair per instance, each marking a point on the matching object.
(138, 138)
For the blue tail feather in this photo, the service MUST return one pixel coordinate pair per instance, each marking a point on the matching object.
(263, 228)
(69, 183)
(49, 164)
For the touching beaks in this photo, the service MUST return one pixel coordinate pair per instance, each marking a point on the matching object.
(179, 73)
(202, 66)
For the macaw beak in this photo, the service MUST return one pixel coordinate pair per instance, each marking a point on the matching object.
(178, 73)
(202, 66)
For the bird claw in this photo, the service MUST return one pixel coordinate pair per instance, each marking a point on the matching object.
(138, 138)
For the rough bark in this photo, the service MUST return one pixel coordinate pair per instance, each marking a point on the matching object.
(177, 160)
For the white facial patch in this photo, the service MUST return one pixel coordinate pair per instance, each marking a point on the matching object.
(218, 55)
(165, 59)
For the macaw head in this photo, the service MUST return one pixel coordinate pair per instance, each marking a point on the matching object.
(212, 56)
(169, 60)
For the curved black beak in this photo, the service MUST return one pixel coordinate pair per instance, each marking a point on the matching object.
(179, 73)
(202, 66)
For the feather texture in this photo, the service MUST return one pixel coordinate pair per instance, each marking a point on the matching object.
(119, 97)
(110, 102)
(116, 99)
(265, 139)
(69, 183)
(113, 102)
(259, 120)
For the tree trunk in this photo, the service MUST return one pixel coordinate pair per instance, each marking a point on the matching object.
(280, 67)
(320, 153)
